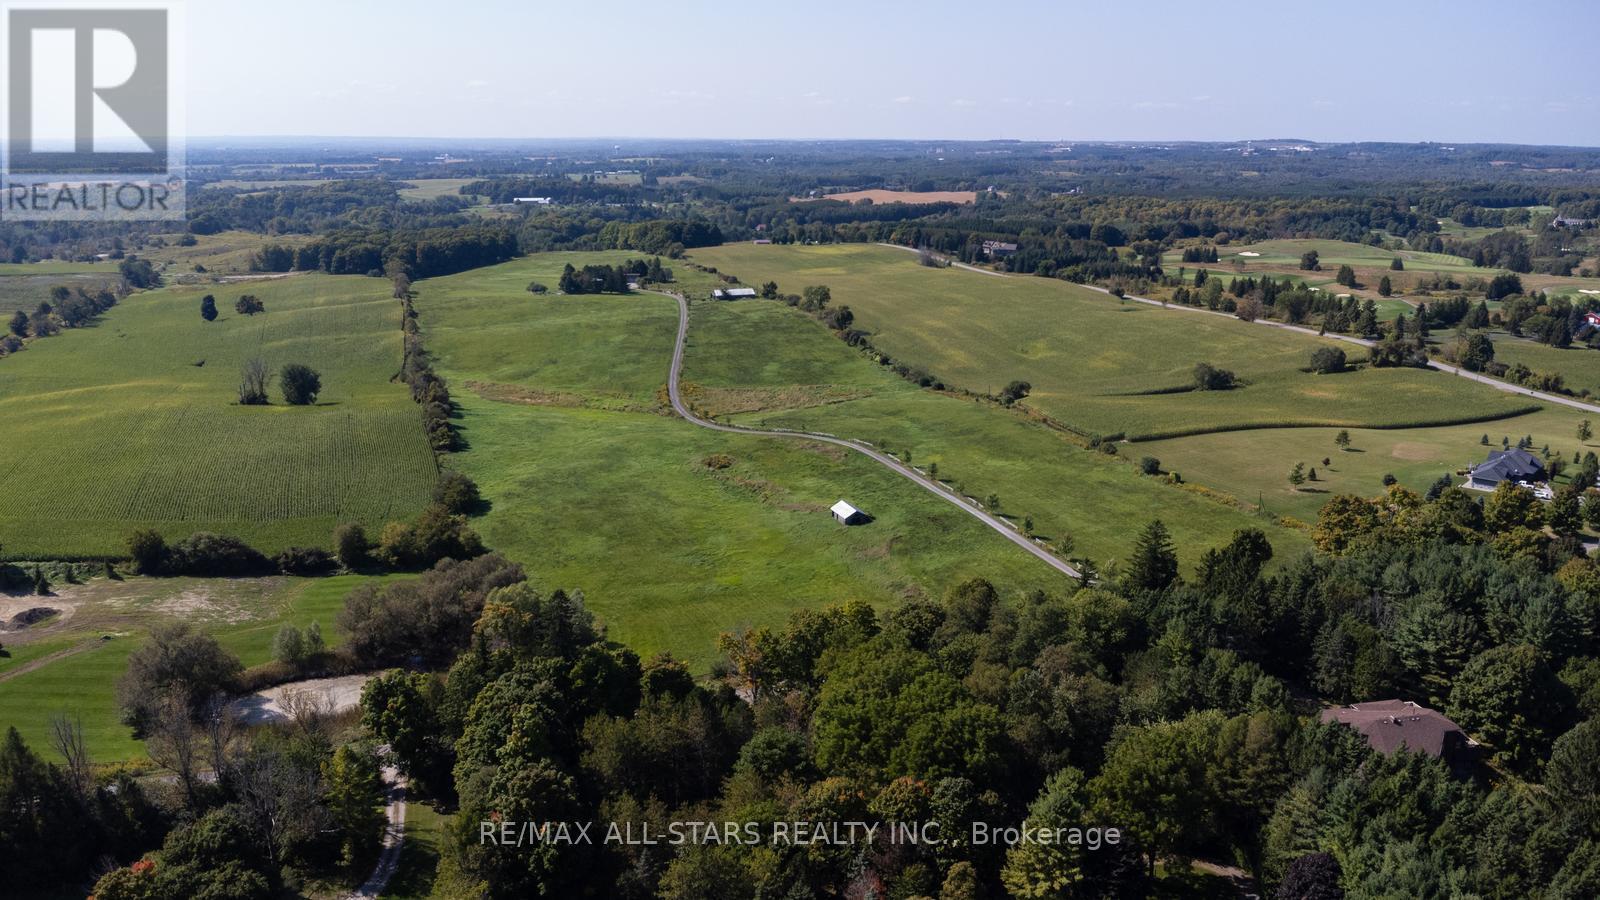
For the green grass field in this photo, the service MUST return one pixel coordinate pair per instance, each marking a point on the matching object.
(134, 422)
(594, 487)
(224, 253)
(1093, 360)
(434, 188)
(1579, 365)
(1287, 252)
(111, 619)
(1255, 465)
(761, 363)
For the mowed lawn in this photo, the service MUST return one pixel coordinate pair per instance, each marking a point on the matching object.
(674, 533)
(1332, 254)
(762, 363)
(1094, 361)
(1256, 465)
(134, 422)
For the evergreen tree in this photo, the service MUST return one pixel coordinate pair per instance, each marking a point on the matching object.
(1154, 564)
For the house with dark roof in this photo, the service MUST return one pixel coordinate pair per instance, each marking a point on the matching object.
(1505, 465)
(998, 249)
(1393, 725)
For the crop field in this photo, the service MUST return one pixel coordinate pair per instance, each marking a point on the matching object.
(1089, 357)
(883, 196)
(1255, 465)
(25, 291)
(73, 666)
(673, 532)
(134, 422)
(744, 360)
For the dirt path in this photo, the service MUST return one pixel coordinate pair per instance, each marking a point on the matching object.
(1361, 342)
(394, 832)
(46, 660)
(1006, 529)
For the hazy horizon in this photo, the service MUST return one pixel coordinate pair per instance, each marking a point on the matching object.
(931, 71)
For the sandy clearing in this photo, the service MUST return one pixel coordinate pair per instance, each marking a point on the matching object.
(336, 695)
(1248, 253)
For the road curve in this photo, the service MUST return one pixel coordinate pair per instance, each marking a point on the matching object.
(1495, 383)
(1000, 525)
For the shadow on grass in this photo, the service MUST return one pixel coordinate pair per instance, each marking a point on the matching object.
(418, 869)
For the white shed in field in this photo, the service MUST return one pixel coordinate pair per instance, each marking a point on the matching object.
(845, 514)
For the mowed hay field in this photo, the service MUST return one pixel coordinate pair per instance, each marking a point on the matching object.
(1094, 361)
(673, 532)
(883, 196)
(134, 422)
(1331, 254)
(762, 363)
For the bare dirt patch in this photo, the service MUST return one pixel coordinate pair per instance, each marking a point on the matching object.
(831, 451)
(327, 696)
(14, 607)
(1411, 451)
(882, 196)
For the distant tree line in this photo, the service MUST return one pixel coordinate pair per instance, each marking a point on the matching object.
(419, 254)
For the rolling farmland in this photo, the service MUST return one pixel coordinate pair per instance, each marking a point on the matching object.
(133, 422)
(761, 363)
(570, 443)
(1088, 356)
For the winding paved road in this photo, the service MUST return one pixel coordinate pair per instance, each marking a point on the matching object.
(1495, 383)
(1005, 528)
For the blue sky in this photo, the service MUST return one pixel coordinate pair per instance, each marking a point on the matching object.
(1524, 72)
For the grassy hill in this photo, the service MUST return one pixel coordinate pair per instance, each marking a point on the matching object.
(134, 422)
(762, 363)
(673, 532)
(1100, 365)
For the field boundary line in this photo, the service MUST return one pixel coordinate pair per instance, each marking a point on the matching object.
(1005, 529)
